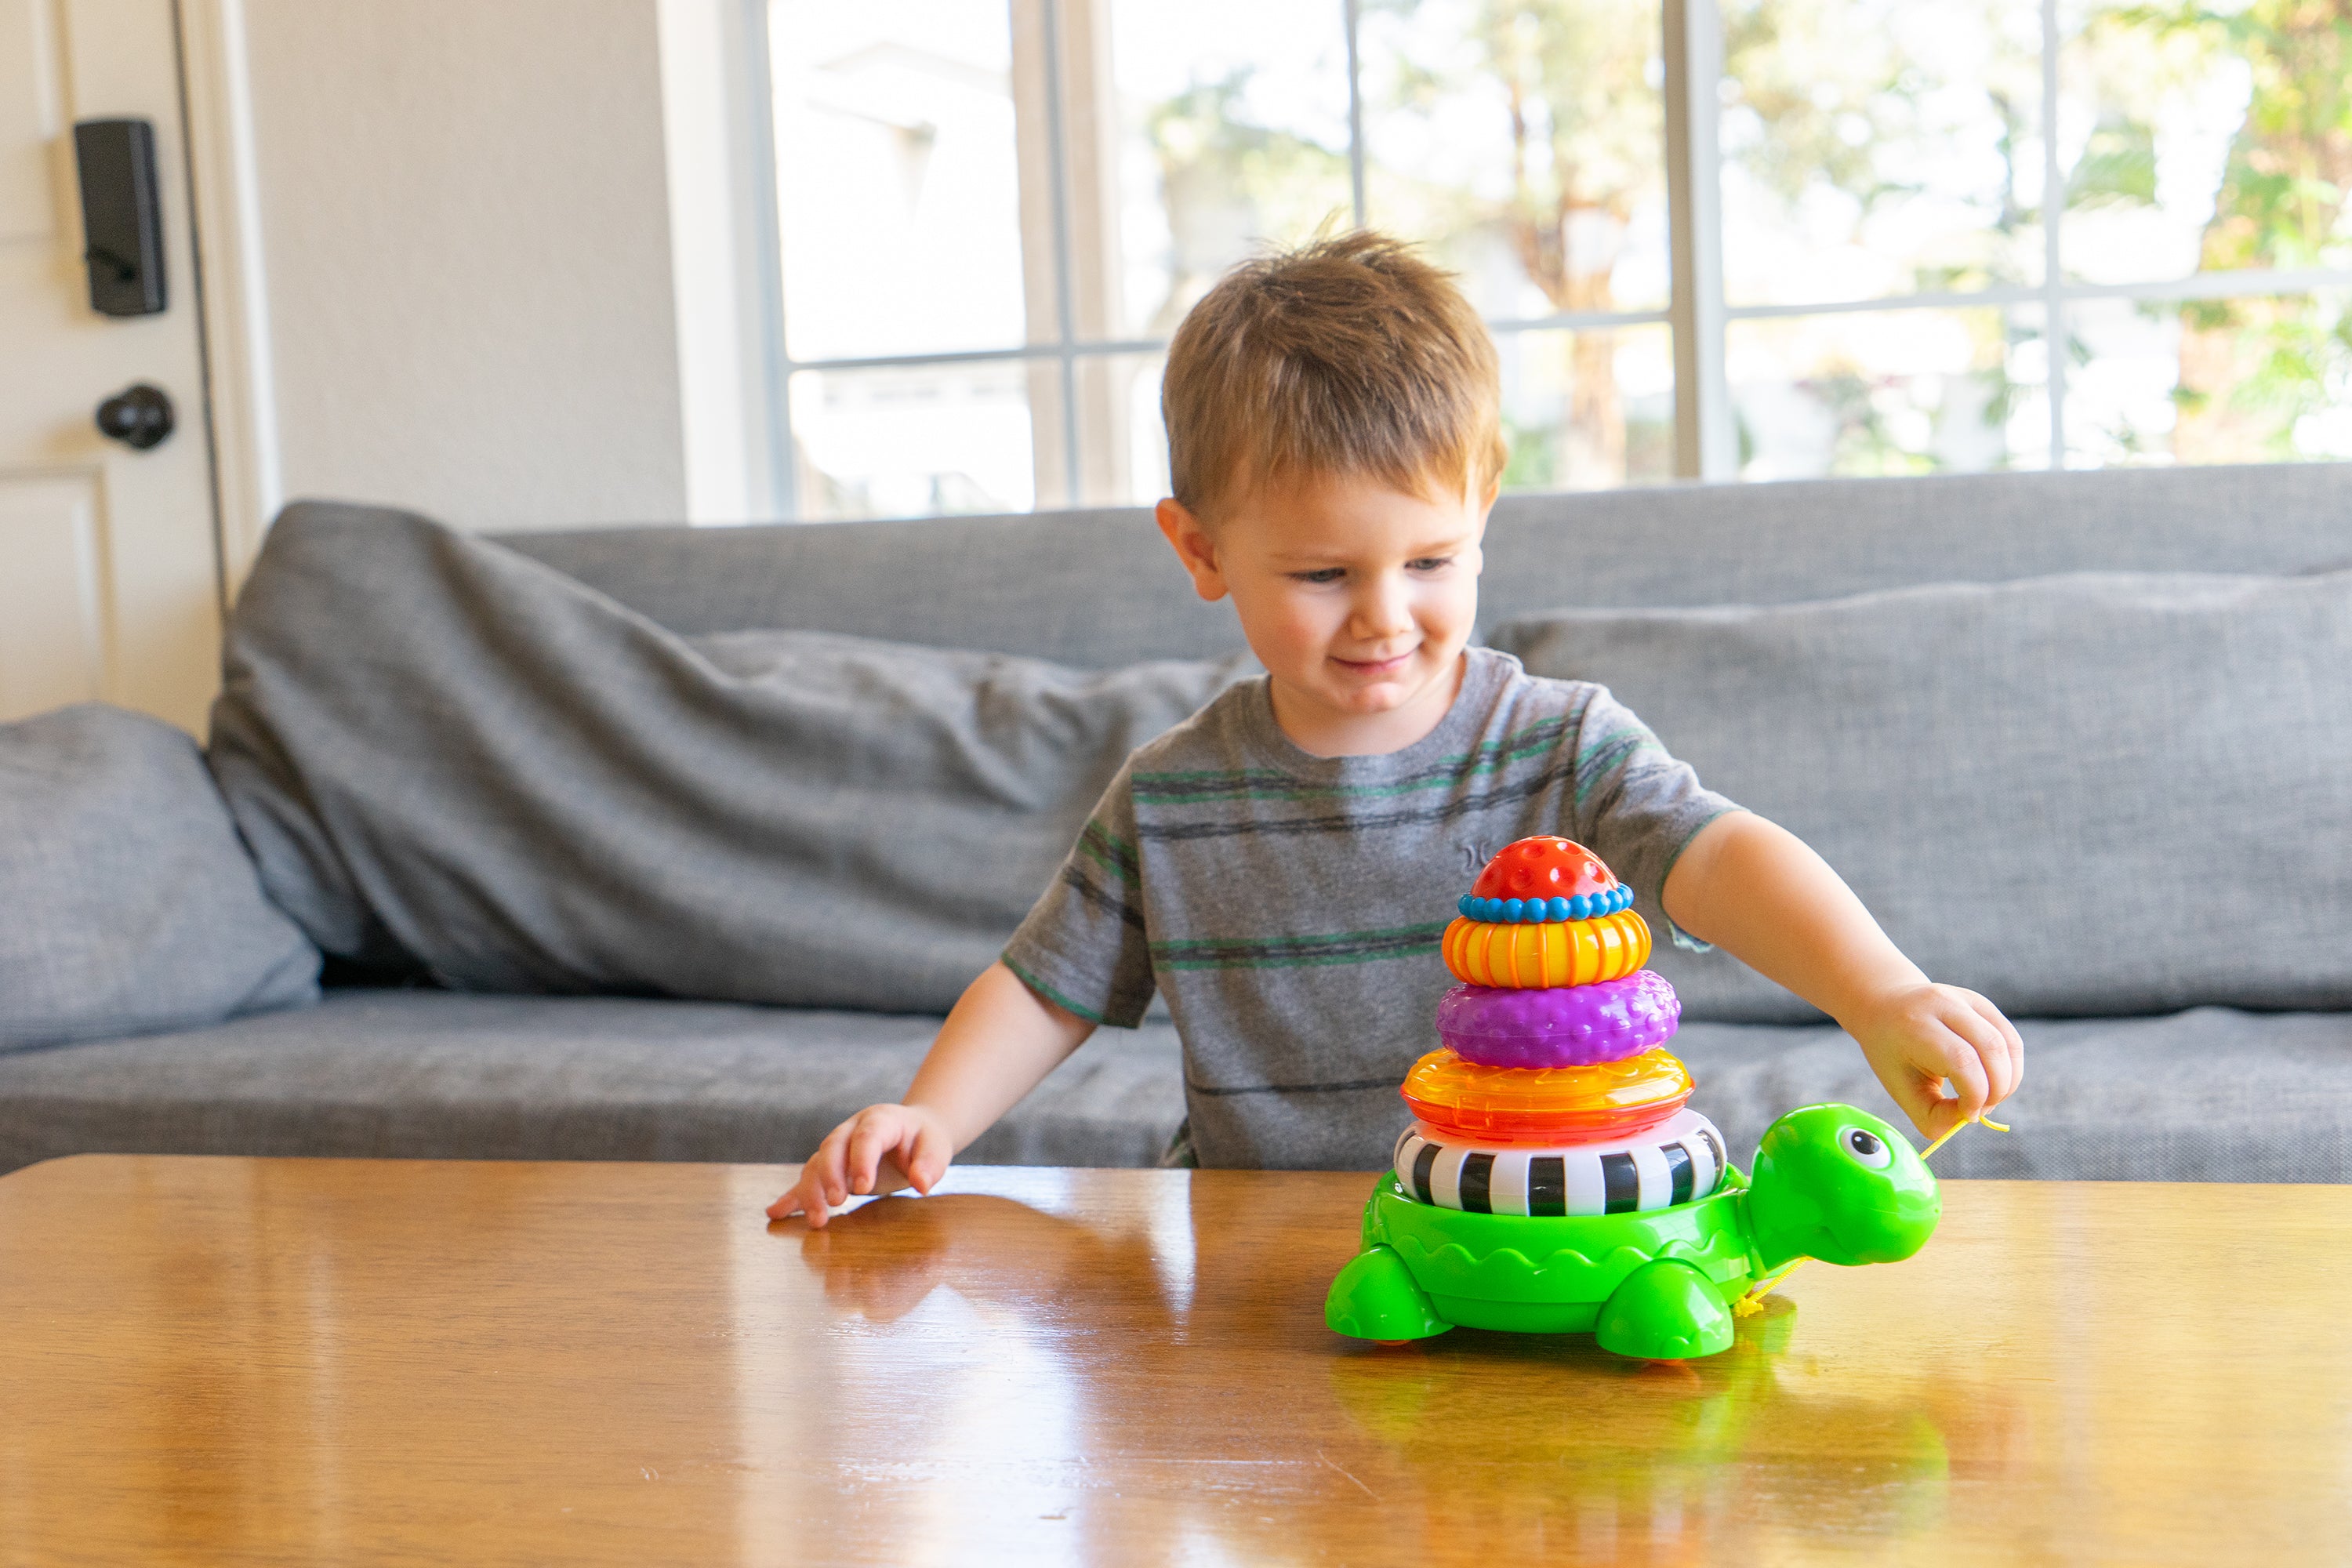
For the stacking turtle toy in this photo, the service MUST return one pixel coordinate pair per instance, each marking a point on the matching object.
(1553, 1180)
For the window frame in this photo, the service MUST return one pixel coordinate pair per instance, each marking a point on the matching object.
(1699, 315)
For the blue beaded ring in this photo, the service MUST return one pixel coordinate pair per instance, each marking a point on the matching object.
(1538, 911)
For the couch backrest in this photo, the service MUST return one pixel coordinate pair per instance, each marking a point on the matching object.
(1100, 588)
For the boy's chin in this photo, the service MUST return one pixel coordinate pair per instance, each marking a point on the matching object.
(1372, 698)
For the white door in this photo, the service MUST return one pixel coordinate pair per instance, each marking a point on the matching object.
(110, 574)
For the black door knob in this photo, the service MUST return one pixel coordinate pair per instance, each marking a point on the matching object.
(138, 416)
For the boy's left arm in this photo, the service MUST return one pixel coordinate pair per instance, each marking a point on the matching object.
(1759, 892)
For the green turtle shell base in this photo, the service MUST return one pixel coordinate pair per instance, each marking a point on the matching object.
(1424, 1269)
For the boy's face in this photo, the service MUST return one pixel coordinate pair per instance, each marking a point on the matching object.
(1358, 599)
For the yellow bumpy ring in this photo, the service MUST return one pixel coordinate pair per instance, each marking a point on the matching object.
(1556, 952)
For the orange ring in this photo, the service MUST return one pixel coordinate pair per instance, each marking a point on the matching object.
(1530, 1104)
(1555, 953)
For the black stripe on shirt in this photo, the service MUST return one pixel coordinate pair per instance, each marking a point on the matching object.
(1347, 1088)
(1349, 822)
(1076, 880)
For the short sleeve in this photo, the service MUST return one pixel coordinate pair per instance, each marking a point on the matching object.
(1637, 805)
(1083, 945)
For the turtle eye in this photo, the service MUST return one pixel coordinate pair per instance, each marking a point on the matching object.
(1867, 1148)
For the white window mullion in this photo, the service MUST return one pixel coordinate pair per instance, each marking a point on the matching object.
(1065, 310)
(2053, 205)
(1707, 442)
(1350, 14)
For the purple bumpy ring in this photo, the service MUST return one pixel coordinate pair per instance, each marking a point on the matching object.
(1562, 1027)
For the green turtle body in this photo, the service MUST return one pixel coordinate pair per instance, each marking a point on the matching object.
(1832, 1182)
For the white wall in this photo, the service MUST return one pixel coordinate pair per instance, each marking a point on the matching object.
(467, 256)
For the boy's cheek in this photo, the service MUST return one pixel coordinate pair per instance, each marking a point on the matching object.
(1280, 634)
(1450, 616)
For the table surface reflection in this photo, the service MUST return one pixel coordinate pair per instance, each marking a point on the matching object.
(313, 1361)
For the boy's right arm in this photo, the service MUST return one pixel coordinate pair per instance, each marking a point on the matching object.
(998, 1044)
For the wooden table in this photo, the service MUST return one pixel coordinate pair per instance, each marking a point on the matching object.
(323, 1361)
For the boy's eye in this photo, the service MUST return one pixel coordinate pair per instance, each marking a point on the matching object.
(1429, 563)
(1326, 574)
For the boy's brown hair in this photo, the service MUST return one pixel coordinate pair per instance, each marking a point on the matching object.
(1346, 355)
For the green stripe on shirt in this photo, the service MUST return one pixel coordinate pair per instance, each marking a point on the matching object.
(1204, 786)
(1292, 952)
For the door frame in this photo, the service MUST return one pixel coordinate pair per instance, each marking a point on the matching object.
(232, 293)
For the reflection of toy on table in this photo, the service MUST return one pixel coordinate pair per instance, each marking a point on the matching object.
(1553, 1180)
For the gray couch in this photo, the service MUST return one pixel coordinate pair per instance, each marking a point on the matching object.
(2168, 1067)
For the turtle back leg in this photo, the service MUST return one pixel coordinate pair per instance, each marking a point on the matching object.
(1664, 1310)
(1376, 1297)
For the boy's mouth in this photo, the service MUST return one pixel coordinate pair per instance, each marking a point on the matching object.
(1374, 667)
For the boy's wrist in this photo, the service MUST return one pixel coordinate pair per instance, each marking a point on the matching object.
(1870, 999)
(937, 1121)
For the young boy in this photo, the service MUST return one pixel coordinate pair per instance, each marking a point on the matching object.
(1281, 865)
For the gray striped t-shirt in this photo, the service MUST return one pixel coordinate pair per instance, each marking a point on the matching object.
(1289, 906)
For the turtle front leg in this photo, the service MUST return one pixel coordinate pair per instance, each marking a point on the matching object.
(1664, 1310)
(1375, 1296)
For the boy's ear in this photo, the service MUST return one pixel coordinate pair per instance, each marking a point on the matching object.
(1194, 547)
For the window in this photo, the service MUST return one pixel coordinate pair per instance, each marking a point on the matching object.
(1759, 238)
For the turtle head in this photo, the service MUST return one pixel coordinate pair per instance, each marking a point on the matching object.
(1838, 1184)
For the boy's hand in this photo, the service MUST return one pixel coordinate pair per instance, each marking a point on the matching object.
(1917, 1035)
(881, 1150)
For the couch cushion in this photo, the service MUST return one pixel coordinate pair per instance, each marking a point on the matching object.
(427, 1074)
(129, 904)
(445, 753)
(2208, 1095)
(1101, 588)
(2090, 794)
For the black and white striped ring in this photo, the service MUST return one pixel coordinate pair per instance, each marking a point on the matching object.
(1679, 1160)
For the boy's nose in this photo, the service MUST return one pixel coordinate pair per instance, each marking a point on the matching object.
(1382, 612)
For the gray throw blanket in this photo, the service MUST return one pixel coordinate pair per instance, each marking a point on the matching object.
(449, 757)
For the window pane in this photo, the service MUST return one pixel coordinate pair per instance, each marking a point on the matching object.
(922, 440)
(1226, 128)
(2210, 139)
(898, 181)
(1123, 443)
(1587, 410)
(1874, 148)
(1889, 392)
(2210, 381)
(1527, 142)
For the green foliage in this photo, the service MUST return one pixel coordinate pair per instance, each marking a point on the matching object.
(1534, 462)
(2290, 169)
(1228, 182)
(2117, 166)
(2251, 368)
(1829, 106)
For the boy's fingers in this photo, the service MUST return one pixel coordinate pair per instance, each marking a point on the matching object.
(802, 1199)
(1991, 1052)
(1967, 1072)
(2010, 1036)
(2011, 1044)
(867, 1146)
(832, 1185)
(1918, 1094)
(924, 1156)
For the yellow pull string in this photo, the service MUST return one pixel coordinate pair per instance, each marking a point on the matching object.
(1747, 1306)
(1946, 1136)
